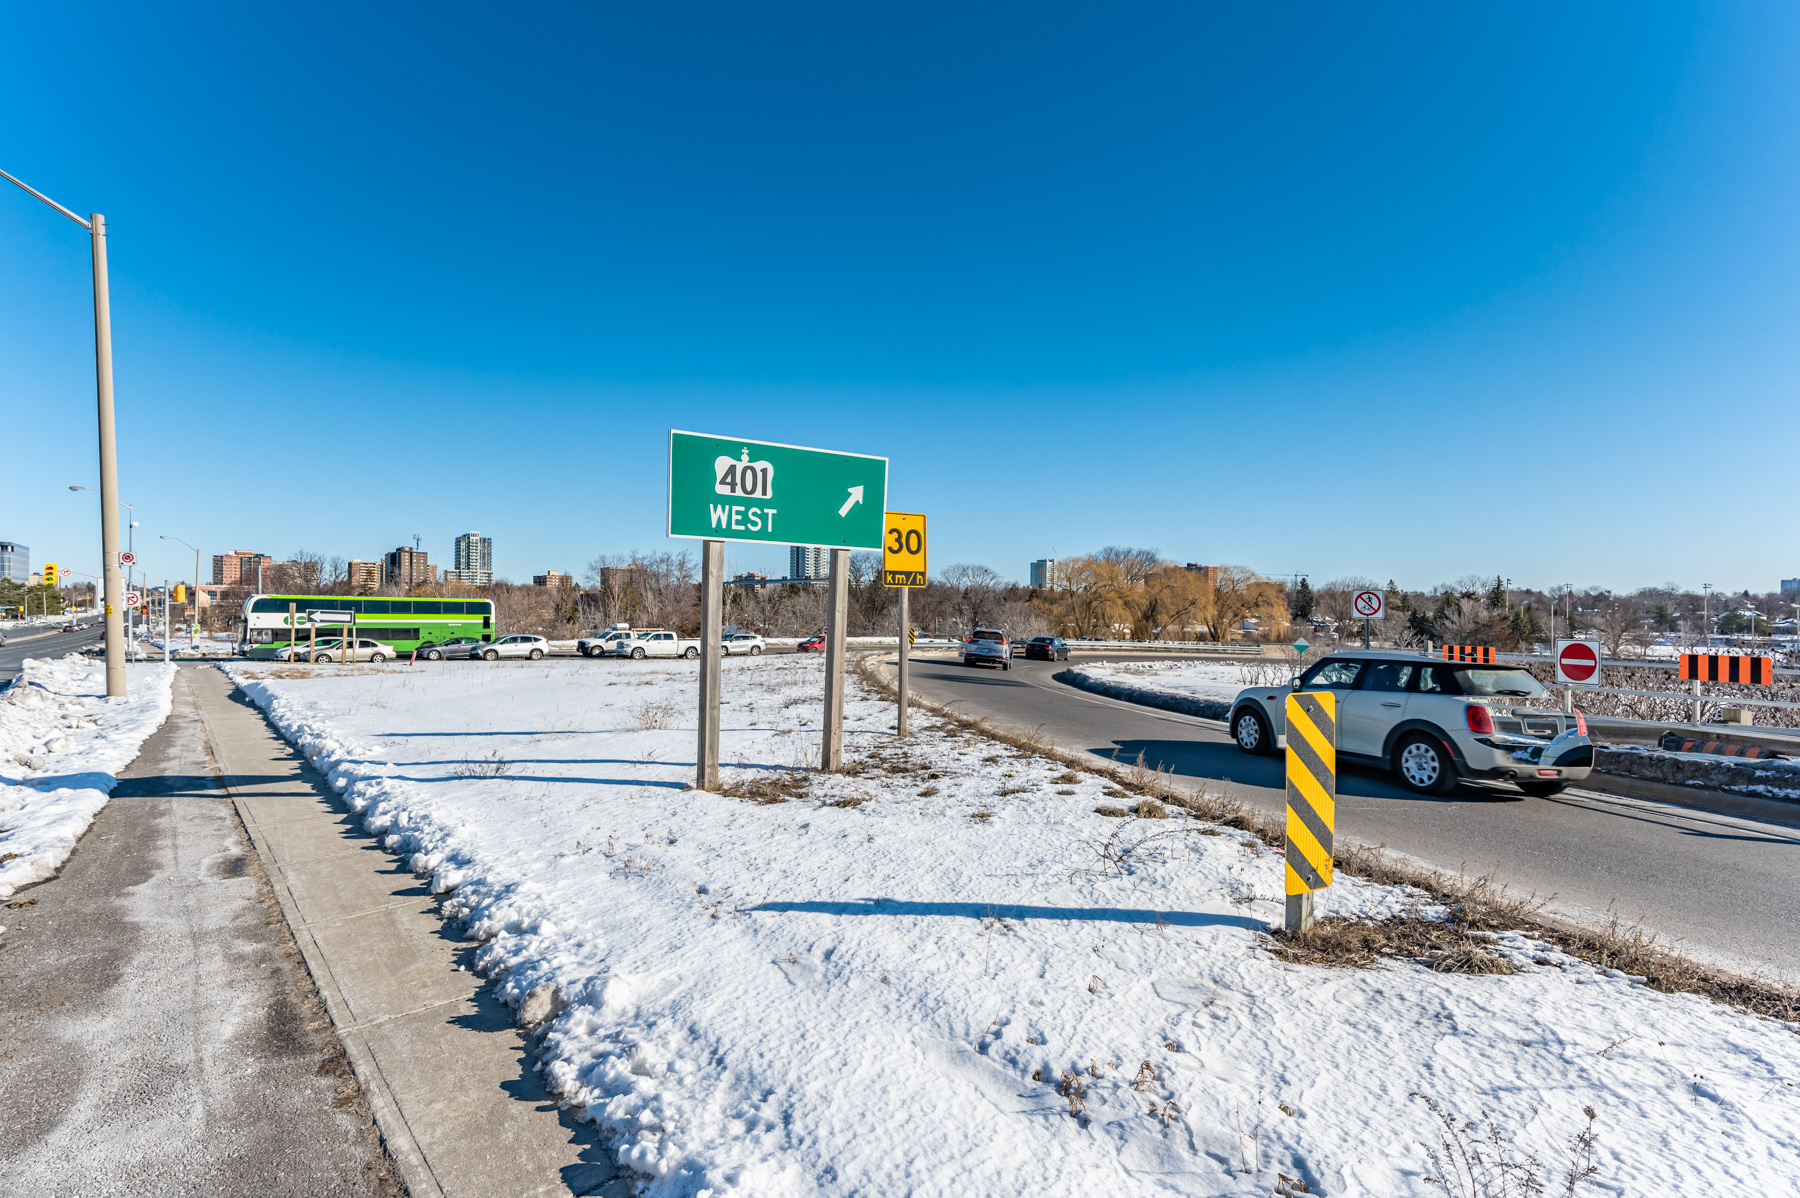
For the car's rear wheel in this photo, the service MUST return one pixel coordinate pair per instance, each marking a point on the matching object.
(1423, 766)
(1543, 789)
(492, 655)
(536, 653)
(377, 657)
(690, 651)
(637, 655)
(755, 650)
(1251, 732)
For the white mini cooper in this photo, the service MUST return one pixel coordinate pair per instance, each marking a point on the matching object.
(1430, 722)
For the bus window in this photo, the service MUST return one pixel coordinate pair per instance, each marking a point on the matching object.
(375, 607)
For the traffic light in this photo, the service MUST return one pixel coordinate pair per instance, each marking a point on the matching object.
(181, 592)
(50, 574)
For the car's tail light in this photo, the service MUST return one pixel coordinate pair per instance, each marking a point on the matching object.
(1581, 723)
(1481, 720)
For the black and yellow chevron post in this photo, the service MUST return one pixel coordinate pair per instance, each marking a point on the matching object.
(1311, 800)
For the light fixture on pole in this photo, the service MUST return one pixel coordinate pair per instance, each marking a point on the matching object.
(109, 457)
(196, 595)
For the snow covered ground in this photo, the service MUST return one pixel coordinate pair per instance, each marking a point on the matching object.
(1197, 679)
(61, 743)
(944, 973)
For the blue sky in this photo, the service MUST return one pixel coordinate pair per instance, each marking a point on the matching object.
(1406, 291)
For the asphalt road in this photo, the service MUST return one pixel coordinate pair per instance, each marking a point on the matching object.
(1721, 884)
(37, 642)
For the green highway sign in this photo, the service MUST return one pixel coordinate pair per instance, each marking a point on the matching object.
(731, 489)
(1300, 646)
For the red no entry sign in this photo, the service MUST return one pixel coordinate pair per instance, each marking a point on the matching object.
(1577, 661)
(1368, 605)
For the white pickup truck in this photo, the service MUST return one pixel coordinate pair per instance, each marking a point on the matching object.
(597, 645)
(655, 642)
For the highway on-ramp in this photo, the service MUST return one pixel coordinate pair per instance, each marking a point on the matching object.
(1720, 881)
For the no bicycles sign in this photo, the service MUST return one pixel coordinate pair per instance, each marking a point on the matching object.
(1368, 605)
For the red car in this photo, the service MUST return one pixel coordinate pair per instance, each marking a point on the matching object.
(815, 645)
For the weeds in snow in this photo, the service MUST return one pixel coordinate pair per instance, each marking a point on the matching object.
(653, 715)
(491, 766)
(1473, 1161)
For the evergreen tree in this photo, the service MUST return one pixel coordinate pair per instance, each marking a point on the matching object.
(1300, 602)
(1496, 596)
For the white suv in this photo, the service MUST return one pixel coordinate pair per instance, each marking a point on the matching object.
(747, 643)
(987, 646)
(1430, 722)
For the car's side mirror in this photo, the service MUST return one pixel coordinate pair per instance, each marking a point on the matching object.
(1295, 685)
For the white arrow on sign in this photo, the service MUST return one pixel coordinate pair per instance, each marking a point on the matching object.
(855, 498)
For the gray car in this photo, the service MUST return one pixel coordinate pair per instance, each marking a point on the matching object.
(1431, 722)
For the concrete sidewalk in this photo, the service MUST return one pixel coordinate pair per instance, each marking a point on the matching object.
(443, 1067)
(158, 1032)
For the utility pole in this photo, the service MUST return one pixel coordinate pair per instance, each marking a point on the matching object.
(109, 460)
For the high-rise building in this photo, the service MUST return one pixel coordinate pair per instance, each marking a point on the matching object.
(15, 562)
(239, 568)
(1210, 573)
(407, 568)
(474, 558)
(1043, 573)
(1790, 586)
(552, 579)
(809, 561)
(623, 578)
(365, 577)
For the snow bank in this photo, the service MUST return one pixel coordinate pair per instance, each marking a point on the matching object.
(61, 743)
(943, 973)
(1197, 688)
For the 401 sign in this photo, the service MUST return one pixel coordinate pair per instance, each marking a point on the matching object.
(732, 489)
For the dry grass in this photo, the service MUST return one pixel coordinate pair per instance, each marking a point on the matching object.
(491, 766)
(1475, 905)
(653, 715)
(764, 789)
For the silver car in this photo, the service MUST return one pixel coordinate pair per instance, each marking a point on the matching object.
(1431, 722)
(333, 650)
(520, 644)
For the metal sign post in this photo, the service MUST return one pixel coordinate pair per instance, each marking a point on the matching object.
(712, 650)
(837, 614)
(903, 567)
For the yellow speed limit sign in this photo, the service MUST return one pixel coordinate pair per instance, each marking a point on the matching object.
(903, 550)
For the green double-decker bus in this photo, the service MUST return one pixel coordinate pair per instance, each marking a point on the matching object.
(271, 622)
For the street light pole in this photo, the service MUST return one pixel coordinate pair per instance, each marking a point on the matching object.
(109, 456)
(192, 630)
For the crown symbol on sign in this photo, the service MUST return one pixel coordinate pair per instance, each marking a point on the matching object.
(752, 480)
